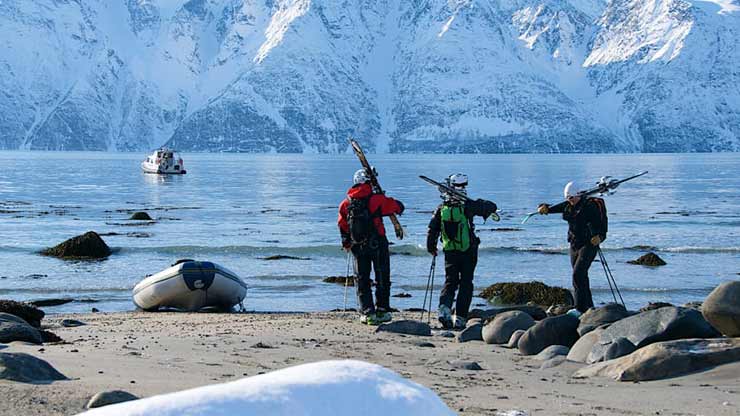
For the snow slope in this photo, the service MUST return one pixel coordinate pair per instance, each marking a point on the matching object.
(323, 388)
(402, 76)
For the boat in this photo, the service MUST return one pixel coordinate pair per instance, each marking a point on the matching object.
(190, 285)
(164, 161)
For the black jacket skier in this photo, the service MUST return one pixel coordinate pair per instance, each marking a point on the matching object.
(587, 228)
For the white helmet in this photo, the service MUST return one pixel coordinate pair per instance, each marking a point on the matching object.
(571, 189)
(361, 176)
(458, 180)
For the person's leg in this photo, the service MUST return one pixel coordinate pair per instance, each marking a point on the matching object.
(581, 286)
(382, 266)
(363, 264)
(452, 279)
(468, 261)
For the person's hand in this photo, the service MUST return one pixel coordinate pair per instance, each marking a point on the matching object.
(346, 245)
(596, 240)
(432, 251)
(543, 209)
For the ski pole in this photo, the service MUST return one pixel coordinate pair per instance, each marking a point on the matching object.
(431, 292)
(610, 278)
(426, 290)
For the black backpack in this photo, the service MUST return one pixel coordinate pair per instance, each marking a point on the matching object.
(361, 228)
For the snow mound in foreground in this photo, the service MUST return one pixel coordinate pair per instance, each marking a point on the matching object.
(345, 387)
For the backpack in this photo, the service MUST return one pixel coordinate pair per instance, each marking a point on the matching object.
(455, 228)
(361, 227)
(601, 206)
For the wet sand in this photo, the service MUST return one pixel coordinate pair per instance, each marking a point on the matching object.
(153, 353)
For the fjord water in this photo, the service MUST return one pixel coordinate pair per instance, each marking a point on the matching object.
(237, 209)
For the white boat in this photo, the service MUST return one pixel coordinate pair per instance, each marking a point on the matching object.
(190, 285)
(164, 161)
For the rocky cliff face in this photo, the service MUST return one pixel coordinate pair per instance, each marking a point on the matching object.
(403, 76)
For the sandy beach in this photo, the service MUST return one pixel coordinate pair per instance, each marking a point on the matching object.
(153, 353)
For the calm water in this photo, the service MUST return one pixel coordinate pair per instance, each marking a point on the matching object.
(237, 209)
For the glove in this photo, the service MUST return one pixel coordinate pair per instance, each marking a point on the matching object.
(346, 244)
(402, 208)
(433, 252)
(596, 240)
(543, 209)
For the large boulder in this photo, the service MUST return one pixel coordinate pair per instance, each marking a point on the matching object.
(28, 313)
(518, 293)
(551, 352)
(580, 351)
(596, 317)
(500, 329)
(27, 369)
(722, 308)
(140, 216)
(649, 259)
(667, 359)
(86, 246)
(664, 324)
(556, 330)
(13, 328)
(406, 327)
(535, 312)
(514, 340)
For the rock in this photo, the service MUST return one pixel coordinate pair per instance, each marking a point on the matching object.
(94, 310)
(12, 330)
(694, 305)
(503, 325)
(283, 257)
(407, 327)
(71, 323)
(140, 216)
(517, 293)
(402, 295)
(654, 305)
(342, 280)
(557, 310)
(446, 334)
(551, 352)
(722, 308)
(596, 317)
(582, 348)
(28, 313)
(105, 398)
(11, 318)
(86, 246)
(514, 340)
(535, 312)
(556, 330)
(48, 336)
(423, 344)
(473, 321)
(663, 324)
(26, 369)
(619, 348)
(667, 359)
(50, 302)
(471, 333)
(553, 362)
(465, 365)
(649, 259)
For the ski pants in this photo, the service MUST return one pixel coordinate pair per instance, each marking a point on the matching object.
(459, 271)
(581, 259)
(378, 259)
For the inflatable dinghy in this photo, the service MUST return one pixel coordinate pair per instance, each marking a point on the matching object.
(190, 285)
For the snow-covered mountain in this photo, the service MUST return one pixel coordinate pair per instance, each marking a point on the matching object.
(400, 75)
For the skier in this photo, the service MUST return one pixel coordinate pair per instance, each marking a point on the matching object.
(453, 220)
(363, 233)
(587, 227)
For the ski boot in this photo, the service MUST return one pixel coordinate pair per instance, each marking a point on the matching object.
(369, 319)
(459, 322)
(444, 315)
(383, 316)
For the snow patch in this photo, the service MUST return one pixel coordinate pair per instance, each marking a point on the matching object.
(345, 387)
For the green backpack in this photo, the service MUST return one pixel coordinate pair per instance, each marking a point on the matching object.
(455, 228)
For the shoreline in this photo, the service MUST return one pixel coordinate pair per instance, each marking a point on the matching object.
(154, 353)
